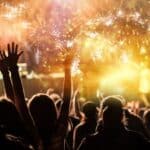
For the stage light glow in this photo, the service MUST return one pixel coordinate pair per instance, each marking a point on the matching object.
(107, 34)
(145, 81)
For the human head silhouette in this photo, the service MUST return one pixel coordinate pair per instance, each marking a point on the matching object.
(90, 111)
(10, 118)
(112, 111)
(43, 111)
(147, 117)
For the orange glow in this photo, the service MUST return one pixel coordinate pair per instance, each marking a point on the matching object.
(110, 37)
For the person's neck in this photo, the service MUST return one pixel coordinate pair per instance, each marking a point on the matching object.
(114, 127)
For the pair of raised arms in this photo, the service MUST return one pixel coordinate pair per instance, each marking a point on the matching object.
(8, 61)
(14, 90)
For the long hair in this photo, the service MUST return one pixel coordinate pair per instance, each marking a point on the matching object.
(43, 111)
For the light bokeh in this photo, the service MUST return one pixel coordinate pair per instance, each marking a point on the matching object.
(111, 36)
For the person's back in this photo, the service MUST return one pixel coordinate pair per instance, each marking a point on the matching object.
(11, 121)
(119, 140)
(83, 130)
(87, 126)
(113, 134)
(147, 121)
(44, 113)
(135, 123)
(11, 142)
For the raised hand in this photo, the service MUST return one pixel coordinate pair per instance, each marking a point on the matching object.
(13, 55)
(6, 78)
(69, 59)
(12, 58)
(76, 103)
(63, 118)
(77, 93)
(3, 66)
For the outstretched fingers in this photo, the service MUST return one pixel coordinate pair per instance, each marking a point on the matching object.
(16, 49)
(19, 54)
(12, 54)
(2, 55)
(8, 49)
(13, 47)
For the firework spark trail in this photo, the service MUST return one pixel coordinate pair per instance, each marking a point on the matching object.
(111, 36)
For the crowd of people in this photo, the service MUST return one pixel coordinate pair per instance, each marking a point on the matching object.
(46, 122)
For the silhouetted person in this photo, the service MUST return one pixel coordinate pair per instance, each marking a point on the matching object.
(6, 78)
(56, 128)
(135, 123)
(11, 121)
(113, 134)
(44, 113)
(53, 129)
(147, 121)
(141, 112)
(88, 125)
(11, 142)
(9, 61)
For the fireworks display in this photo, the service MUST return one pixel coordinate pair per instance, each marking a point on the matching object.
(112, 36)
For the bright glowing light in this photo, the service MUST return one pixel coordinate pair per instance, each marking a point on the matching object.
(69, 44)
(124, 58)
(119, 80)
(143, 50)
(109, 22)
(75, 67)
(144, 81)
(101, 31)
(25, 25)
(92, 34)
(9, 16)
(120, 13)
(37, 57)
(97, 55)
(136, 15)
(13, 12)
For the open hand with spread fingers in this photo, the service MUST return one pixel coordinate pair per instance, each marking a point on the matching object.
(12, 55)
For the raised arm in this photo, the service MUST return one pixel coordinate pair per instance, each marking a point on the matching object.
(76, 104)
(62, 123)
(75, 107)
(6, 78)
(67, 89)
(12, 60)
